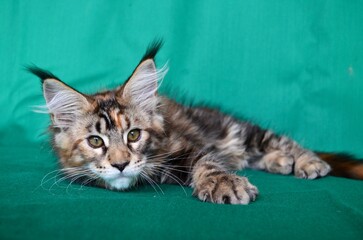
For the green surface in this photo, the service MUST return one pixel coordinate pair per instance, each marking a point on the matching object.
(293, 66)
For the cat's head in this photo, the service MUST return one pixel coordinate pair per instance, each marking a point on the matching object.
(108, 136)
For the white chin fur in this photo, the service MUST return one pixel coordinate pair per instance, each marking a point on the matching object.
(120, 183)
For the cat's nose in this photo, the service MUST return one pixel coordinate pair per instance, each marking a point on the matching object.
(120, 166)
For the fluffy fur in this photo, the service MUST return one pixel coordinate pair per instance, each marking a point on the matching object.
(119, 138)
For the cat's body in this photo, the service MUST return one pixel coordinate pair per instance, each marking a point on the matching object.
(119, 138)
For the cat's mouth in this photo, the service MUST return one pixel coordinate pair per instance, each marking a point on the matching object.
(114, 178)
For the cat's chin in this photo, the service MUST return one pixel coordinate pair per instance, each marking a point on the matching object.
(120, 183)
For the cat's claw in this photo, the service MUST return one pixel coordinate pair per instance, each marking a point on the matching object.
(226, 189)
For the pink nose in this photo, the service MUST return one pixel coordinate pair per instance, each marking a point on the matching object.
(120, 166)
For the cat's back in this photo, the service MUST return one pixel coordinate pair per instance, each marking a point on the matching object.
(198, 123)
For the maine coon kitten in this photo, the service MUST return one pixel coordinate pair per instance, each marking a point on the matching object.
(117, 138)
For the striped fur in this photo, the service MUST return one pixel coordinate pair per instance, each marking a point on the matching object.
(119, 138)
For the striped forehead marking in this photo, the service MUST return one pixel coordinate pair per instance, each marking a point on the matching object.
(105, 121)
(111, 113)
(112, 120)
(124, 121)
(115, 115)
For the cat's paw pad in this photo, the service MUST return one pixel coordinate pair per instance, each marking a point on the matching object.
(311, 168)
(226, 189)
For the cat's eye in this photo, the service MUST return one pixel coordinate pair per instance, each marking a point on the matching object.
(95, 141)
(134, 135)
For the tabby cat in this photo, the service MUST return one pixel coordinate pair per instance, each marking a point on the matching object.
(119, 138)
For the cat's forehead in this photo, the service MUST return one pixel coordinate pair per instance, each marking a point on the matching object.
(106, 100)
(111, 113)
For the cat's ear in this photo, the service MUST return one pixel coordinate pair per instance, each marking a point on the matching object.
(141, 88)
(63, 103)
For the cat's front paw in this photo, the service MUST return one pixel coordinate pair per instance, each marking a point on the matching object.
(311, 167)
(225, 188)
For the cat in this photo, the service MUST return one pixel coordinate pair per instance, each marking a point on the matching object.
(120, 138)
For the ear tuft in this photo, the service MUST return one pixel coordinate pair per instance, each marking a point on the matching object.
(40, 73)
(152, 49)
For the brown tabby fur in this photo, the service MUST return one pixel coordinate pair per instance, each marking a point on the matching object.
(196, 147)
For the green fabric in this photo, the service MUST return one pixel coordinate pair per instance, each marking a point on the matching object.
(294, 66)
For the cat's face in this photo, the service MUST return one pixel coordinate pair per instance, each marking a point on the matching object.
(108, 137)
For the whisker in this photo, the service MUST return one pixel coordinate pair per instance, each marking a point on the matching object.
(43, 181)
(70, 175)
(57, 171)
(67, 176)
(151, 182)
(75, 178)
(143, 178)
(170, 167)
(170, 175)
(176, 179)
(87, 181)
(166, 153)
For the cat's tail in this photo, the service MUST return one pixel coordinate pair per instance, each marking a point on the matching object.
(343, 165)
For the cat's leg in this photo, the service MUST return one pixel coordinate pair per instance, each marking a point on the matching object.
(280, 154)
(213, 183)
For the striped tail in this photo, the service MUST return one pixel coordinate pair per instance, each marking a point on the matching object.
(343, 165)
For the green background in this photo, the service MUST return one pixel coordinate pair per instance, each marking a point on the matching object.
(293, 66)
